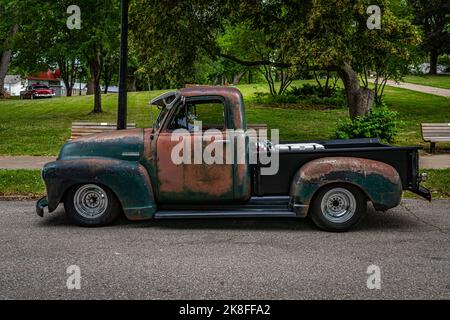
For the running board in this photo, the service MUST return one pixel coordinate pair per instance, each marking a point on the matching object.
(257, 207)
(255, 203)
(258, 213)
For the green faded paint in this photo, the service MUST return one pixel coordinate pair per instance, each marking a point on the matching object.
(379, 181)
(127, 179)
(124, 145)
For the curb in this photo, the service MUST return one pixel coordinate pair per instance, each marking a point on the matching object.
(19, 198)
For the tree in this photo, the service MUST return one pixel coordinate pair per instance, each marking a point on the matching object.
(93, 46)
(433, 16)
(100, 32)
(282, 37)
(170, 36)
(388, 52)
(13, 13)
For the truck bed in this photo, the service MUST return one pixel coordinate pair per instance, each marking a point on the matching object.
(403, 159)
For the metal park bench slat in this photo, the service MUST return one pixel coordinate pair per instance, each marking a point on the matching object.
(435, 132)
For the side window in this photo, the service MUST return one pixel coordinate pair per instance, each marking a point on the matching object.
(211, 113)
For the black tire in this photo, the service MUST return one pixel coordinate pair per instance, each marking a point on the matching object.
(338, 197)
(105, 216)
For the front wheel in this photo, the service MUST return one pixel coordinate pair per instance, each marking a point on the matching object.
(91, 205)
(338, 207)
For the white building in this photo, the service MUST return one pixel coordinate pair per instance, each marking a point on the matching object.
(14, 84)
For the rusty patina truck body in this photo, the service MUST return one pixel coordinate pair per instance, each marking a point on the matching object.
(131, 171)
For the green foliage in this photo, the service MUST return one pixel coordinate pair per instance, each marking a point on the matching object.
(267, 98)
(308, 94)
(313, 94)
(445, 59)
(306, 90)
(433, 18)
(380, 123)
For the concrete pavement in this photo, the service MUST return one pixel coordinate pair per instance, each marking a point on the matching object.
(437, 161)
(24, 162)
(417, 87)
(227, 259)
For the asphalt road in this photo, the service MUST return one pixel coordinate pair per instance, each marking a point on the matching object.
(227, 259)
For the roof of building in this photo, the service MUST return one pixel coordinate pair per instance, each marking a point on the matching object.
(46, 75)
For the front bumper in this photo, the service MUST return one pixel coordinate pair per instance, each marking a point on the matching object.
(41, 204)
(423, 192)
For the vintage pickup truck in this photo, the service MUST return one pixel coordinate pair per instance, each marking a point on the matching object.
(100, 176)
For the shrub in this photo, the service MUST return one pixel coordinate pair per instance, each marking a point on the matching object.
(263, 97)
(308, 94)
(380, 123)
(308, 90)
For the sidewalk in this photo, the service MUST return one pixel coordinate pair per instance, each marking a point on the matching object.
(441, 161)
(419, 88)
(24, 162)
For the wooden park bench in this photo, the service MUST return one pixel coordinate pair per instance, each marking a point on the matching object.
(80, 129)
(435, 132)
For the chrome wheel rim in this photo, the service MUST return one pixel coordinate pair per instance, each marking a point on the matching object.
(338, 205)
(90, 201)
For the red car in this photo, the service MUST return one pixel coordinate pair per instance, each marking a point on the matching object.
(37, 91)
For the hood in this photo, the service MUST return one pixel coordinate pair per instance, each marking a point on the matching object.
(123, 145)
(43, 91)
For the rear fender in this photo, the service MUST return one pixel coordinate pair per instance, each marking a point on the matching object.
(128, 180)
(379, 181)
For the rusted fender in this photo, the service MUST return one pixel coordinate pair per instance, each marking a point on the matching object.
(128, 180)
(379, 181)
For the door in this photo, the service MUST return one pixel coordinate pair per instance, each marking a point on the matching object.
(192, 154)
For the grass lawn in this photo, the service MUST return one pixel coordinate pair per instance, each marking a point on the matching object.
(23, 183)
(41, 127)
(28, 183)
(438, 81)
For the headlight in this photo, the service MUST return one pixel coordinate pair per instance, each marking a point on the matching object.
(423, 177)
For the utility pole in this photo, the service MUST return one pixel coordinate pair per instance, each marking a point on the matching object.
(123, 67)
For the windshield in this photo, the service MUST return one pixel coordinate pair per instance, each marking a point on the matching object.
(164, 102)
(161, 116)
(40, 87)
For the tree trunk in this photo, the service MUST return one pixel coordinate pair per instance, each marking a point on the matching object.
(131, 84)
(69, 88)
(237, 78)
(6, 59)
(433, 62)
(106, 77)
(359, 99)
(95, 65)
(90, 87)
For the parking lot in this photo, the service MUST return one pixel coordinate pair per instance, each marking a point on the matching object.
(226, 259)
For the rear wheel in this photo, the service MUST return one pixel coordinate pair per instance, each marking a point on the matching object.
(338, 207)
(91, 205)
